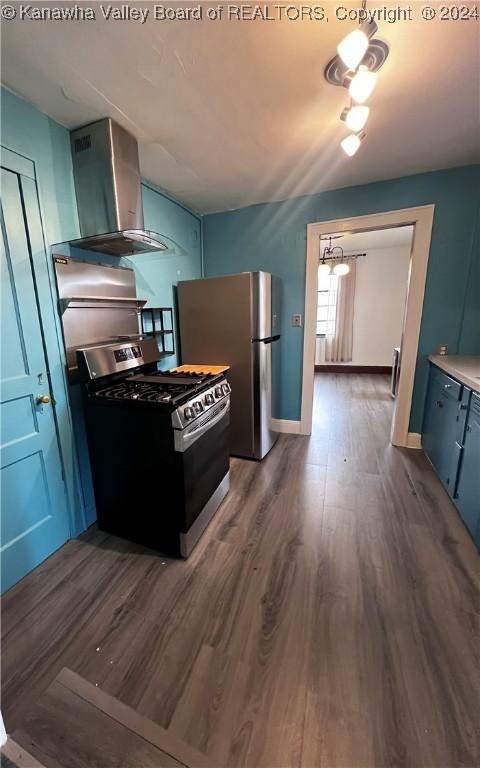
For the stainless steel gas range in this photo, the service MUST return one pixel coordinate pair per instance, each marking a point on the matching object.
(158, 443)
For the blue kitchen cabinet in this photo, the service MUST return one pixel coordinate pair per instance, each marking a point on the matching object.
(440, 425)
(467, 492)
(451, 440)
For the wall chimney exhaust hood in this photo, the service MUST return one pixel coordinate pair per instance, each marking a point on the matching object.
(106, 171)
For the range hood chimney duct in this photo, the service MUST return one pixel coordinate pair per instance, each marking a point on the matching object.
(106, 171)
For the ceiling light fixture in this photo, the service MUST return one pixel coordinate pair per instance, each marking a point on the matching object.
(355, 117)
(352, 142)
(340, 267)
(359, 57)
(362, 84)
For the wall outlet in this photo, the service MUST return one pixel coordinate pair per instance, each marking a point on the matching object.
(297, 321)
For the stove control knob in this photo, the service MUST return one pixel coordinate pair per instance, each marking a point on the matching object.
(218, 391)
(225, 389)
(197, 406)
(188, 413)
(209, 399)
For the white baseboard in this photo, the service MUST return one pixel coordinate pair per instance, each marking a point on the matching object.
(414, 440)
(286, 427)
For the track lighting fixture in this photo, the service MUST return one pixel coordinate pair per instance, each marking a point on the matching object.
(359, 57)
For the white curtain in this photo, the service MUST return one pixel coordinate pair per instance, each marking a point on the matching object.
(339, 338)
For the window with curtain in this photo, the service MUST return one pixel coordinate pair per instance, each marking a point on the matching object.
(326, 304)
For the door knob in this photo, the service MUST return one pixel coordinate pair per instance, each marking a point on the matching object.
(43, 399)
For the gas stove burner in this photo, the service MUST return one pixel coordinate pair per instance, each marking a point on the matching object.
(156, 396)
(123, 391)
(117, 392)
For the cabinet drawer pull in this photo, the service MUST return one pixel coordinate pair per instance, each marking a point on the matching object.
(439, 403)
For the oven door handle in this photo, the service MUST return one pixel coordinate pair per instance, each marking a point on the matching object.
(184, 438)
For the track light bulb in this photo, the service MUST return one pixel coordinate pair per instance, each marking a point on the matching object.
(355, 117)
(353, 48)
(351, 143)
(362, 84)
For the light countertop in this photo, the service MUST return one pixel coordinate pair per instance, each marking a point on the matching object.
(464, 368)
(201, 368)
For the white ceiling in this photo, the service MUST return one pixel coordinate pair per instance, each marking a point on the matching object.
(375, 239)
(232, 113)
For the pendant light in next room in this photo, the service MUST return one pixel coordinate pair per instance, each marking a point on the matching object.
(340, 267)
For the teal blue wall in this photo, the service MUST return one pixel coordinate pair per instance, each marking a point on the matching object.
(272, 237)
(28, 132)
(158, 274)
(469, 336)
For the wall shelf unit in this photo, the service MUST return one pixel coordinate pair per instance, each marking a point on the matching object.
(158, 323)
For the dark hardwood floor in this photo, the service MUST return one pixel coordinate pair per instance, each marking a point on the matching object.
(329, 618)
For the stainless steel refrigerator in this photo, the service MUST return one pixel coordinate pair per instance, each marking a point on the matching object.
(230, 320)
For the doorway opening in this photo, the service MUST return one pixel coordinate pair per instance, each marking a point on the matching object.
(361, 299)
(364, 336)
(362, 308)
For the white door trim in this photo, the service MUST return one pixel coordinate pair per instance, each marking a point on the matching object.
(422, 218)
(414, 440)
(287, 427)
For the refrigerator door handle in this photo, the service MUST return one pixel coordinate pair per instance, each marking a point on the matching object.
(268, 339)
